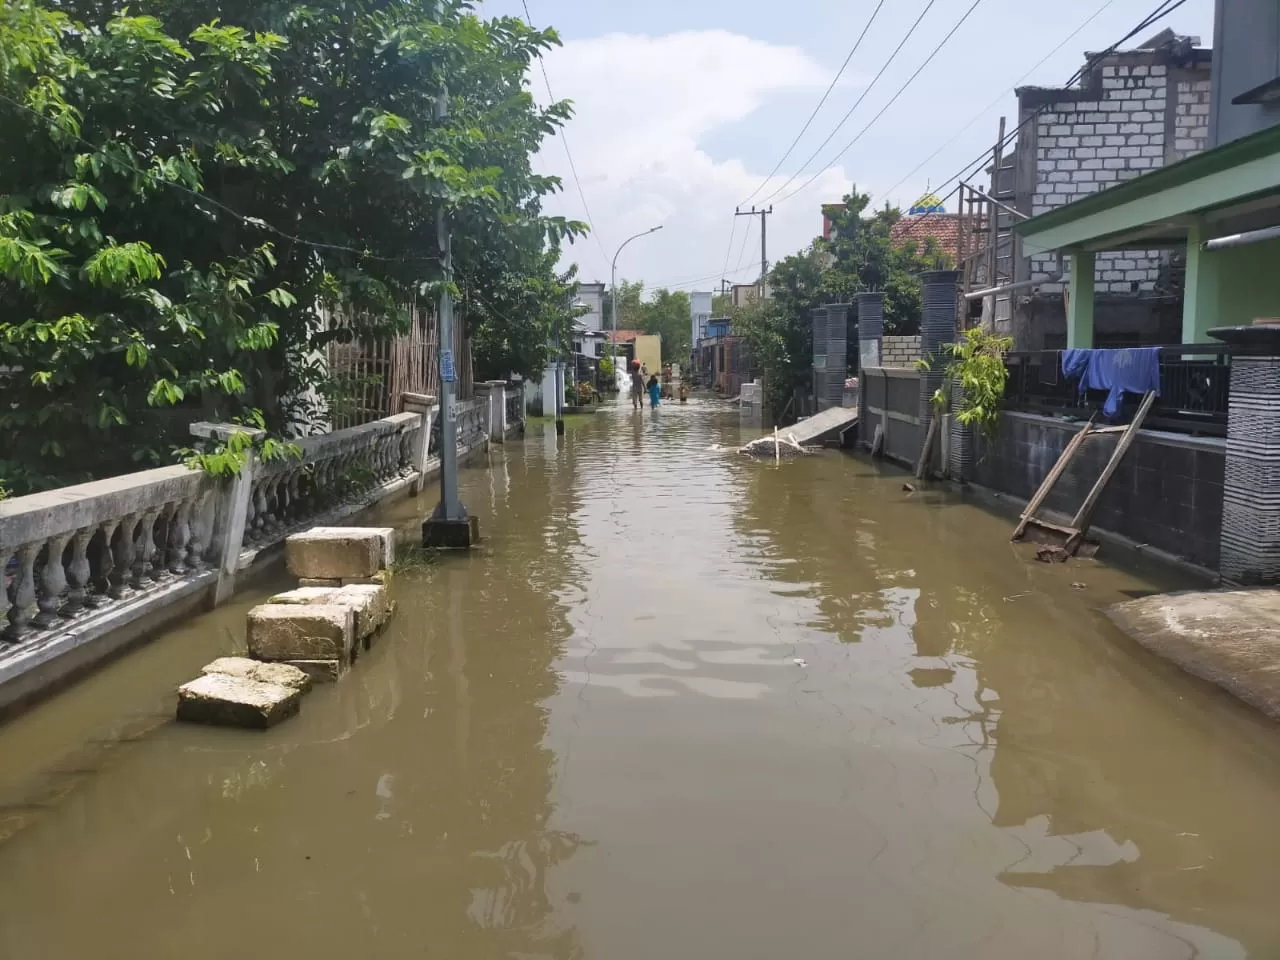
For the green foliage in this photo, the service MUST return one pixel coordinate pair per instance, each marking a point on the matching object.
(976, 366)
(227, 459)
(859, 257)
(183, 186)
(607, 368)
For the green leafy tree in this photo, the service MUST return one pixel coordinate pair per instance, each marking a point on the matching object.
(668, 314)
(860, 256)
(630, 306)
(184, 185)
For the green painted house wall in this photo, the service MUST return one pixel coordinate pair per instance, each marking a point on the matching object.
(1248, 283)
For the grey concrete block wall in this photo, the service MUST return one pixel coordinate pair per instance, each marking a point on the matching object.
(1167, 493)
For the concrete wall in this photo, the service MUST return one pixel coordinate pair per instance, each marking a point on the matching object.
(890, 398)
(649, 353)
(1247, 34)
(899, 351)
(1167, 493)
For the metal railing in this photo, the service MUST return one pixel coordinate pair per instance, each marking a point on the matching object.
(1194, 388)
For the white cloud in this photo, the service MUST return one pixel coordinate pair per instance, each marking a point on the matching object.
(644, 106)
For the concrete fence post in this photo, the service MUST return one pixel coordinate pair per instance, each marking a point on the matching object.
(1250, 539)
(937, 330)
(424, 406)
(497, 411)
(232, 508)
(870, 338)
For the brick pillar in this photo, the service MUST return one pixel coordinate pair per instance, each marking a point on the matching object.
(870, 337)
(1250, 541)
(937, 327)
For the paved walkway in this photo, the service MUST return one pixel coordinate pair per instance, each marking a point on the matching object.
(1228, 637)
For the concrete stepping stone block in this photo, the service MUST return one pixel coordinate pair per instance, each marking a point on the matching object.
(369, 602)
(340, 553)
(226, 701)
(321, 671)
(317, 631)
(280, 673)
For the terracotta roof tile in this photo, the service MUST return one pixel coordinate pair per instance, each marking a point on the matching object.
(942, 227)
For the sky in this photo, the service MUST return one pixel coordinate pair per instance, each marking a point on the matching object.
(682, 108)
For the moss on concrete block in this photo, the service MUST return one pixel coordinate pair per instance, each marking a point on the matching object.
(243, 667)
(283, 631)
(227, 701)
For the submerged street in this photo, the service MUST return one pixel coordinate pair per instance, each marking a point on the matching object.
(678, 705)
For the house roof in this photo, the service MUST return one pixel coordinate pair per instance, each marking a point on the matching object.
(944, 228)
(1161, 205)
(625, 336)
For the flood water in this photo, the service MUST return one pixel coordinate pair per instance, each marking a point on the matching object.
(679, 705)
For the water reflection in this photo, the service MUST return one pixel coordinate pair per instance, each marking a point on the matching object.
(682, 705)
(404, 813)
(1106, 769)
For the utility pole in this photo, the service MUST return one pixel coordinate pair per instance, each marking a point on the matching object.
(764, 242)
(450, 526)
(613, 296)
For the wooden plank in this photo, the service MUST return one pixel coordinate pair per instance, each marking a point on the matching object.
(1051, 480)
(1085, 513)
(925, 451)
(1055, 527)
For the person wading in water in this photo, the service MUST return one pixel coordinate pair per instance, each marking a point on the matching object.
(637, 388)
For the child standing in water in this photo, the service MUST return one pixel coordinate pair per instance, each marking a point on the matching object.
(655, 389)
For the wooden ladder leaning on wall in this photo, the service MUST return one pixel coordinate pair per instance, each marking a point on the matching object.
(1072, 536)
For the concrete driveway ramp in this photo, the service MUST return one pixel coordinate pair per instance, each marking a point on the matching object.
(243, 667)
(284, 631)
(227, 701)
(1228, 637)
(340, 553)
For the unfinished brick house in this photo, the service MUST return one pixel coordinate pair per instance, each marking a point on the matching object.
(1133, 111)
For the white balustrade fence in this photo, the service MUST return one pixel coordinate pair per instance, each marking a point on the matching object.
(83, 563)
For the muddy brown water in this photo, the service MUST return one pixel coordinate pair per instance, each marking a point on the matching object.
(679, 705)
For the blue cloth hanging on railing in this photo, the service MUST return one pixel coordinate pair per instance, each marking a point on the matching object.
(1132, 370)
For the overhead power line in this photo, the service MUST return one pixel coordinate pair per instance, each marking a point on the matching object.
(892, 100)
(827, 93)
(1004, 93)
(1161, 11)
(564, 140)
(843, 120)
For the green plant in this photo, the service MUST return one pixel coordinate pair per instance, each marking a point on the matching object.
(607, 368)
(227, 458)
(190, 191)
(976, 366)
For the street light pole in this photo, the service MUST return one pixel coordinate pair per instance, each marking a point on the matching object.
(450, 526)
(613, 296)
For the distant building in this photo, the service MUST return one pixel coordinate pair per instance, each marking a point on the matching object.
(700, 313)
(591, 296)
(742, 294)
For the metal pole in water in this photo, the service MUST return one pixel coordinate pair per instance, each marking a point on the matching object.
(449, 525)
(777, 451)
